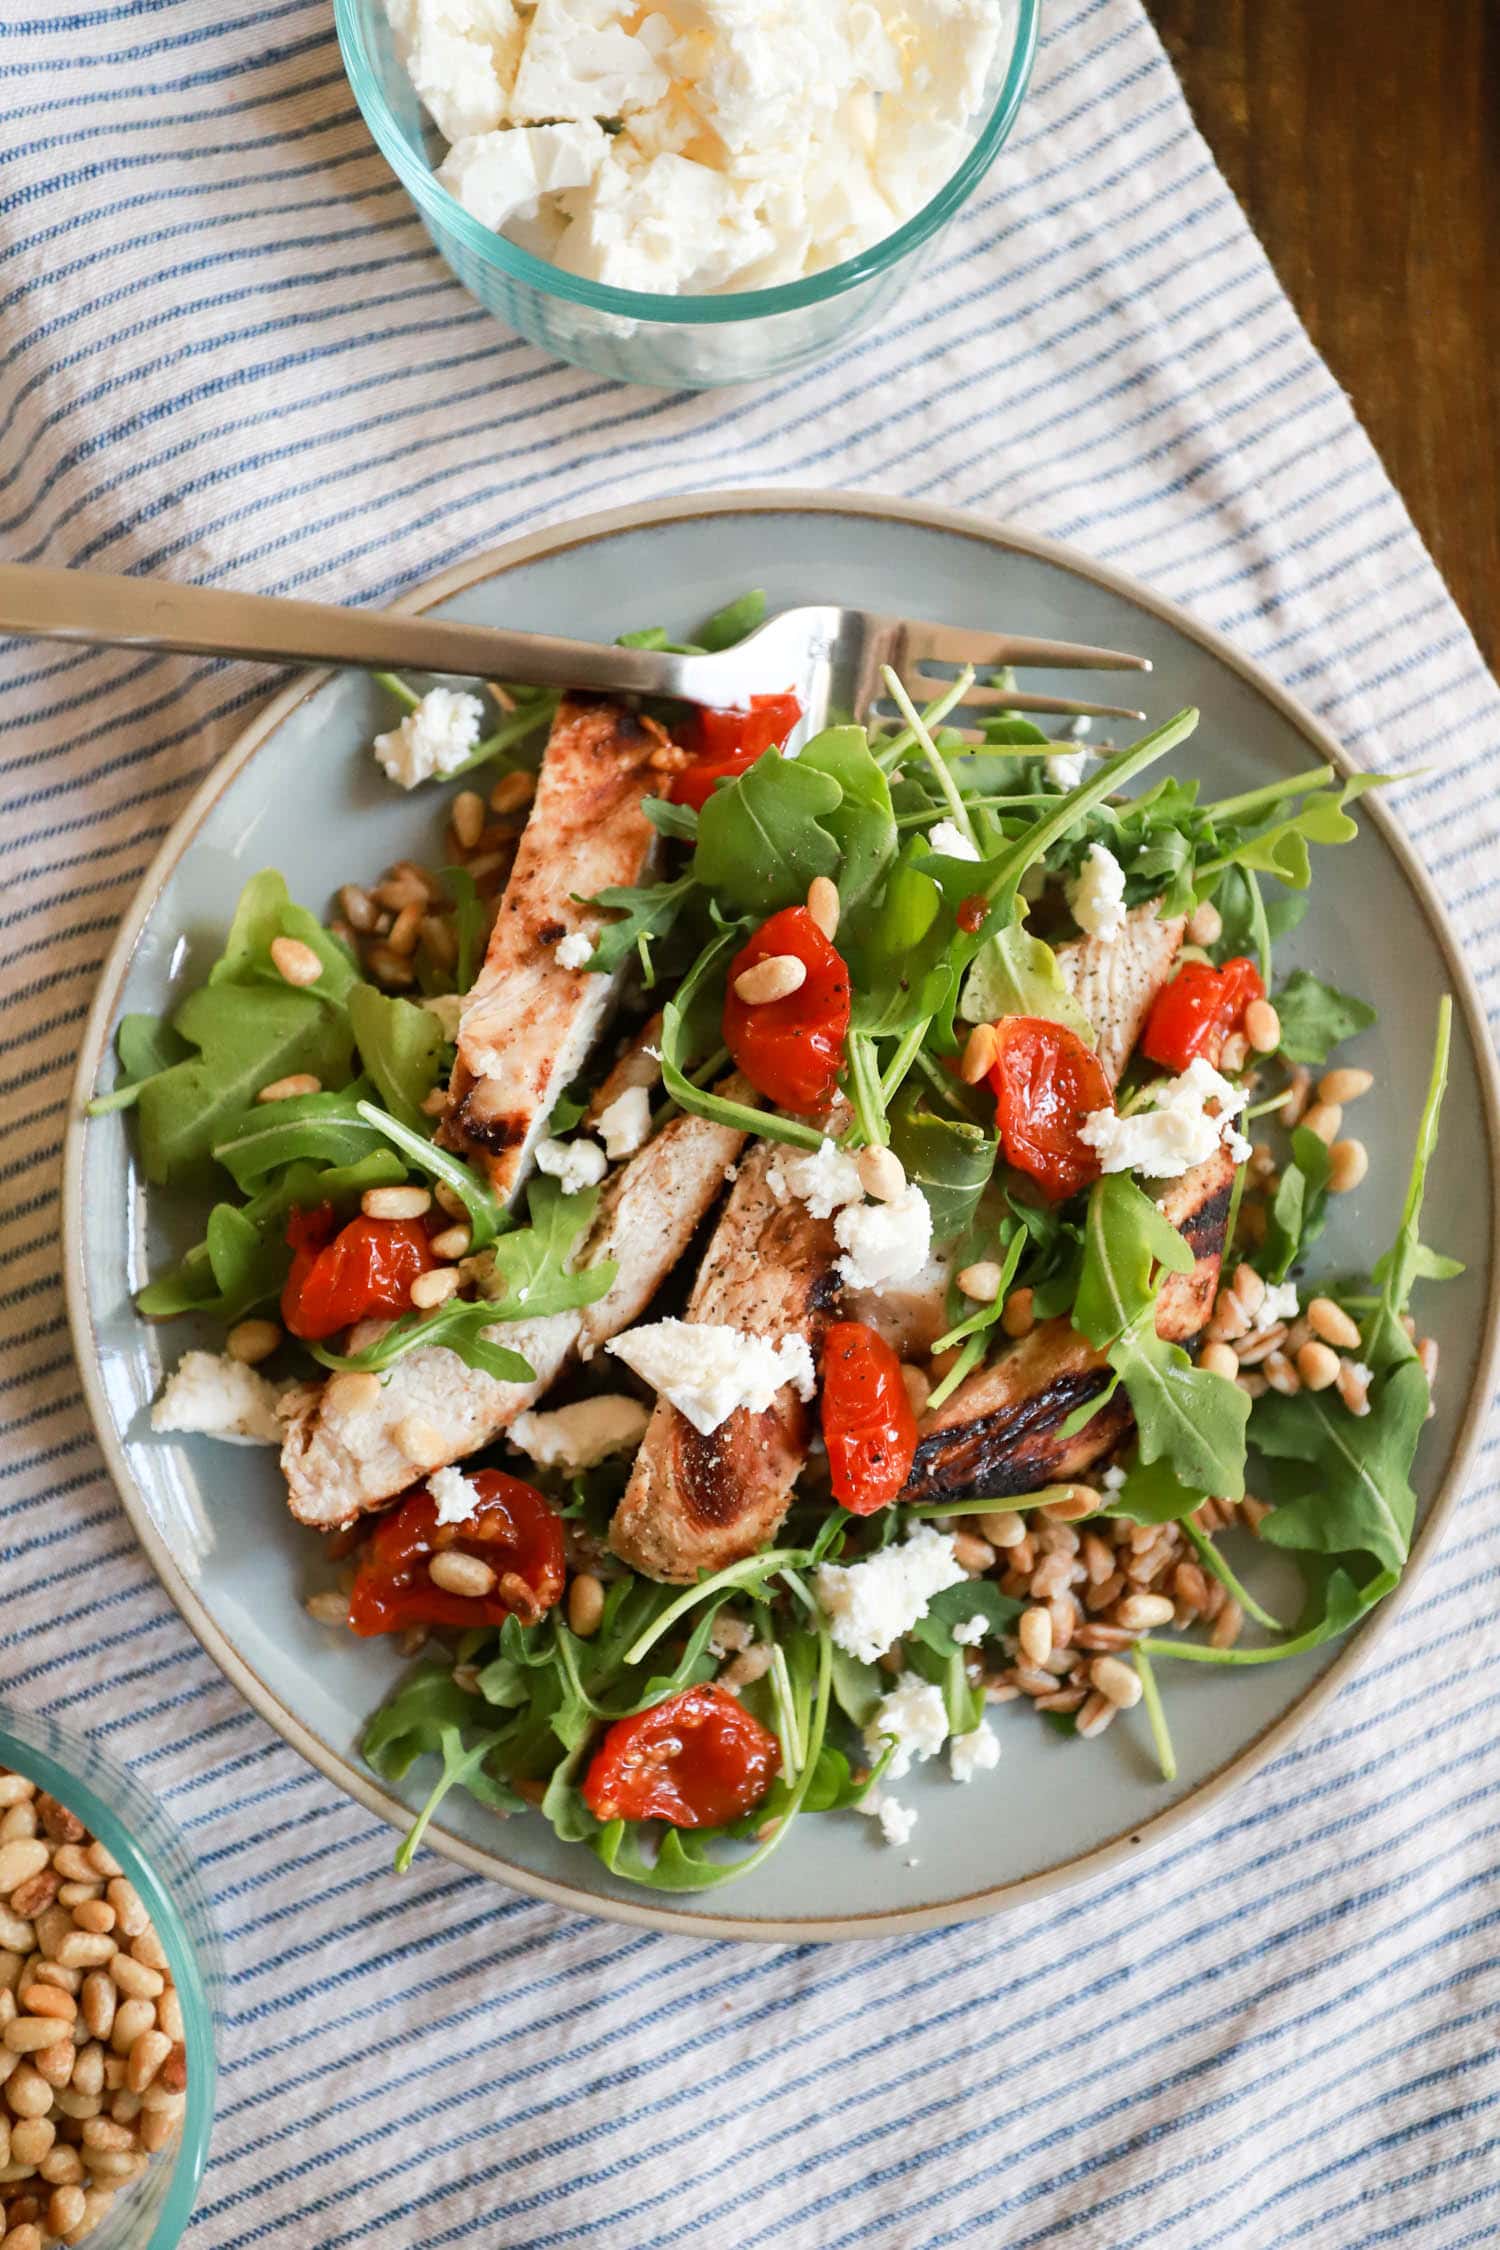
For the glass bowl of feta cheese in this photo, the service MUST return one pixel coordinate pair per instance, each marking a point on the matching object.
(688, 193)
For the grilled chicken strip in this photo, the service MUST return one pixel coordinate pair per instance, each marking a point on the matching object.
(1115, 983)
(1001, 1431)
(693, 1502)
(338, 1462)
(529, 1024)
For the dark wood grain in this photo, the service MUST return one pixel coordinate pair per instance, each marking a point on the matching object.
(1363, 138)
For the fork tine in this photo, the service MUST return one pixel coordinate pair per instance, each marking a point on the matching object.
(922, 686)
(992, 652)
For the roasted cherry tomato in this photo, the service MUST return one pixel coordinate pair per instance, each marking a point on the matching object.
(697, 1760)
(343, 1274)
(791, 1050)
(1196, 1012)
(514, 1533)
(723, 743)
(1046, 1083)
(868, 1425)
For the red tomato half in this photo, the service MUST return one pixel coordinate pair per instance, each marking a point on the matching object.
(697, 1760)
(868, 1425)
(514, 1532)
(791, 1050)
(366, 1269)
(724, 743)
(1196, 1012)
(1046, 1083)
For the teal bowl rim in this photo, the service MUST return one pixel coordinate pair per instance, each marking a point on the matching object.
(190, 2160)
(445, 212)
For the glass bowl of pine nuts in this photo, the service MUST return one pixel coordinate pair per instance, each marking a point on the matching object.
(111, 1979)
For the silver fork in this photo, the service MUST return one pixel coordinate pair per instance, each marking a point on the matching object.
(832, 657)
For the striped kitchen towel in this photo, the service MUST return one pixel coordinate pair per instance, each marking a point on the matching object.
(229, 355)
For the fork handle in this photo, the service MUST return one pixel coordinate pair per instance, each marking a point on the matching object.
(111, 611)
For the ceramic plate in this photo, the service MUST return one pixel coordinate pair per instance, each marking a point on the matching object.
(300, 792)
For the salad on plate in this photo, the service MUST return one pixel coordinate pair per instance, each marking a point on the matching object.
(763, 1252)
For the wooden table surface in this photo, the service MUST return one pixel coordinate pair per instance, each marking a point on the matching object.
(1363, 138)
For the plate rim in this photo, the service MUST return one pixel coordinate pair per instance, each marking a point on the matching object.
(558, 539)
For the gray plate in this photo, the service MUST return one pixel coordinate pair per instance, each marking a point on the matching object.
(300, 792)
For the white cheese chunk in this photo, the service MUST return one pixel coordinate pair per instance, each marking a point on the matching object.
(578, 1436)
(1113, 1479)
(461, 57)
(913, 1717)
(971, 1632)
(501, 177)
(1174, 1129)
(870, 1604)
(625, 1125)
(576, 950)
(577, 1164)
(1278, 1303)
(824, 1178)
(456, 1498)
(709, 1372)
(969, 1754)
(435, 738)
(213, 1396)
(581, 62)
(1096, 896)
(947, 838)
(896, 1820)
(884, 1244)
(1066, 768)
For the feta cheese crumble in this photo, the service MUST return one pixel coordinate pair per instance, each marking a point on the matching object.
(457, 1499)
(577, 1164)
(914, 1717)
(1066, 768)
(1278, 1303)
(576, 950)
(872, 1603)
(946, 837)
(580, 1435)
(435, 738)
(1173, 1129)
(824, 1178)
(971, 1632)
(213, 1396)
(896, 1820)
(710, 1372)
(626, 1124)
(1113, 1479)
(969, 1754)
(884, 1244)
(1096, 896)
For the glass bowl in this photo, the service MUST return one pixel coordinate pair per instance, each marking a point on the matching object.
(673, 342)
(153, 2211)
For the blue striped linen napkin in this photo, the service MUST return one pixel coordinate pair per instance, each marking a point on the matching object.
(230, 356)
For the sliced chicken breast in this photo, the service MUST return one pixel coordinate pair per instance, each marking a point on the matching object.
(434, 1410)
(1001, 1431)
(529, 1023)
(694, 1502)
(1115, 983)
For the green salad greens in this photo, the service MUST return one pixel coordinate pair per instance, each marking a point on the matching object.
(1040, 1212)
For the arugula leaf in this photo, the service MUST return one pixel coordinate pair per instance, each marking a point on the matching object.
(468, 924)
(978, 1597)
(1317, 1017)
(460, 1326)
(733, 622)
(1183, 1414)
(680, 822)
(531, 1265)
(266, 911)
(1298, 1208)
(949, 1159)
(399, 1045)
(247, 1036)
(317, 1128)
(762, 838)
(409, 1724)
(1153, 1493)
(645, 912)
(145, 1045)
(1016, 974)
(486, 1216)
(863, 825)
(676, 1017)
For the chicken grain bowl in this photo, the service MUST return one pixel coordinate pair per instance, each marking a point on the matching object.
(765, 1288)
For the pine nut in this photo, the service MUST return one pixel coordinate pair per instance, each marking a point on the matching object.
(1281, 1374)
(972, 1554)
(101, 1858)
(16, 1788)
(1317, 1366)
(1018, 1319)
(980, 1051)
(1118, 1681)
(1324, 1119)
(1205, 924)
(823, 905)
(918, 1389)
(388, 967)
(774, 979)
(1427, 1357)
(1002, 1527)
(405, 932)
(1263, 1027)
(1034, 1632)
(98, 2000)
(61, 2166)
(71, 1894)
(294, 961)
(981, 1282)
(93, 1914)
(467, 815)
(27, 2035)
(27, 2093)
(396, 1202)
(459, 1573)
(169, 2015)
(358, 908)
(251, 1341)
(418, 1442)
(354, 1390)
(1345, 1084)
(23, 2236)
(1138, 1612)
(145, 2059)
(1348, 1162)
(1234, 1054)
(585, 1604)
(32, 2139)
(132, 2017)
(1354, 1386)
(28, 1899)
(49, 2000)
(432, 1289)
(512, 791)
(1071, 1506)
(1248, 1290)
(328, 1607)
(20, 1859)
(1332, 1323)
(1227, 1626)
(1095, 1716)
(881, 1174)
(104, 2133)
(66, 2210)
(292, 1088)
(83, 1950)
(453, 1242)
(156, 2128)
(134, 1977)
(1219, 1359)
